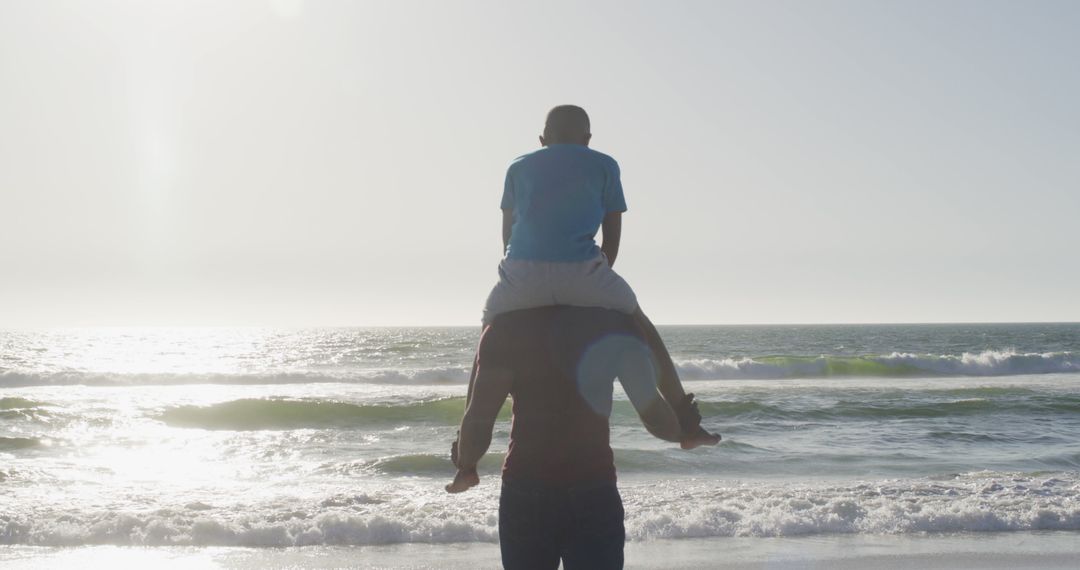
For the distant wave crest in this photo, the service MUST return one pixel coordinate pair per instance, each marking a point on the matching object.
(427, 376)
(986, 363)
(897, 364)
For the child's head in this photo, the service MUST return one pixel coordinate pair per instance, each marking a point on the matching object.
(566, 124)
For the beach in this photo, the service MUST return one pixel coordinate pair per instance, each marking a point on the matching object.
(1019, 551)
(886, 446)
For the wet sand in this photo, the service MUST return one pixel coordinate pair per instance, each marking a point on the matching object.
(1016, 550)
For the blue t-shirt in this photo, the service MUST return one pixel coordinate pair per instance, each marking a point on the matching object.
(559, 195)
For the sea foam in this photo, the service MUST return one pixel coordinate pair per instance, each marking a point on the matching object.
(980, 502)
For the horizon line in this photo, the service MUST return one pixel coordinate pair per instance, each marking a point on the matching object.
(477, 326)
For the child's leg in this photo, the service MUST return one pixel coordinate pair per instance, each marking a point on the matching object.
(668, 382)
(671, 388)
(595, 284)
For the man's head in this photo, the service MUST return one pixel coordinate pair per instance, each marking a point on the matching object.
(566, 124)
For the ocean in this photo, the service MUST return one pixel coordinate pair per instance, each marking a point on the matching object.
(264, 438)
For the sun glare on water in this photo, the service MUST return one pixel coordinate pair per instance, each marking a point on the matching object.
(158, 350)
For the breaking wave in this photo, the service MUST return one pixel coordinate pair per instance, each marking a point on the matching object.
(284, 413)
(19, 404)
(980, 502)
(9, 443)
(279, 413)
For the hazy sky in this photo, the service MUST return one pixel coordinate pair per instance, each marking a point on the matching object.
(341, 163)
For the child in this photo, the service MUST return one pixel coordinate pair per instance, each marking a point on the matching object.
(554, 201)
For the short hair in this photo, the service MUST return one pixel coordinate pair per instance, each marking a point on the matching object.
(566, 122)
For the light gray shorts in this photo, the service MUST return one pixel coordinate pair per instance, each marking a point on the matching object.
(527, 284)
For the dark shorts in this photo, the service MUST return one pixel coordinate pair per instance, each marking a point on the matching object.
(581, 525)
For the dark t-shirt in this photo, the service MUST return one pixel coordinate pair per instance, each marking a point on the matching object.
(563, 362)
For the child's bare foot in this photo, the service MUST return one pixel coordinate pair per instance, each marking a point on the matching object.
(463, 481)
(701, 437)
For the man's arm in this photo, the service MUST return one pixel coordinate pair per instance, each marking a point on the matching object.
(490, 387)
(612, 228)
(507, 227)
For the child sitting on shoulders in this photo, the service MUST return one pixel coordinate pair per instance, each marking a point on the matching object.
(554, 201)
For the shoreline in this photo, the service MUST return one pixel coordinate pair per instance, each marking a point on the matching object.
(1012, 550)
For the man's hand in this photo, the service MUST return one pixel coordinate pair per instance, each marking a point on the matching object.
(465, 477)
(463, 481)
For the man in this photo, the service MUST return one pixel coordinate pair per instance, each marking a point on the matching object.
(559, 499)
